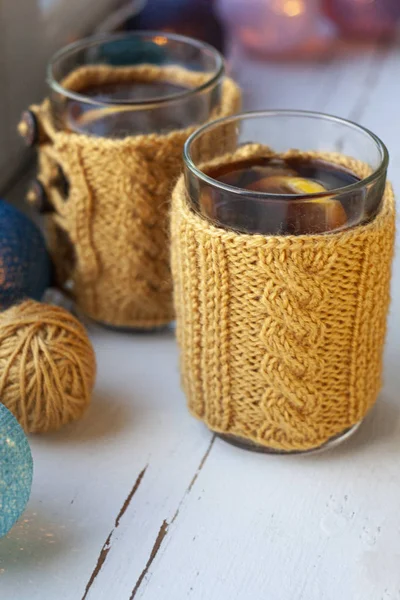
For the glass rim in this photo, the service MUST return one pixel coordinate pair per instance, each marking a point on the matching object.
(94, 40)
(280, 112)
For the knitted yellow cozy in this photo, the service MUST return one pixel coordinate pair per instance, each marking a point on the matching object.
(281, 337)
(109, 236)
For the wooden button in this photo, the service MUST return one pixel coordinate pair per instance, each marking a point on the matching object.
(28, 128)
(37, 197)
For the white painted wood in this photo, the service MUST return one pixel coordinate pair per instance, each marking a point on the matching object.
(206, 520)
(84, 474)
(308, 528)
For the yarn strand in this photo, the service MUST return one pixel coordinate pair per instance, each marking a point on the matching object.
(47, 366)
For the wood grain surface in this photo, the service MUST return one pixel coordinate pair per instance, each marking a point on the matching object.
(139, 501)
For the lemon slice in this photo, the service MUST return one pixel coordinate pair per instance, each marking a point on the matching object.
(304, 186)
(329, 215)
(282, 183)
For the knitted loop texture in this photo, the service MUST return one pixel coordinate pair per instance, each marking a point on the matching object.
(109, 236)
(281, 337)
(47, 366)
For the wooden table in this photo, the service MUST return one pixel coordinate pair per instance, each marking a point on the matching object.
(138, 500)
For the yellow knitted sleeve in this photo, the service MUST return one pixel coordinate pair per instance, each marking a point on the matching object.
(109, 237)
(281, 337)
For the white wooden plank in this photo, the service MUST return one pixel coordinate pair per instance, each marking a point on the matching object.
(84, 475)
(379, 111)
(324, 85)
(315, 528)
(208, 521)
(319, 528)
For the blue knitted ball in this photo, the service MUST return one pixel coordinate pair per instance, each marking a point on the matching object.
(25, 267)
(16, 468)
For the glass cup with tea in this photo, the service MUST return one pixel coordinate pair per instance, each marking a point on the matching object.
(288, 174)
(110, 138)
(93, 91)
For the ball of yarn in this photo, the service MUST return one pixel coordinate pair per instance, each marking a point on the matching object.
(16, 469)
(47, 366)
(25, 267)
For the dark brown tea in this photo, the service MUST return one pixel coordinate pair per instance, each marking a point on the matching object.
(120, 118)
(278, 214)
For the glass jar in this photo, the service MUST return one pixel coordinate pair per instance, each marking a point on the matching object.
(339, 169)
(133, 99)
(108, 102)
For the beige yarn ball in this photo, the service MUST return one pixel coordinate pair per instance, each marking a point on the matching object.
(47, 366)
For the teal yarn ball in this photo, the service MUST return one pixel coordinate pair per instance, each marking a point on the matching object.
(16, 469)
(25, 266)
